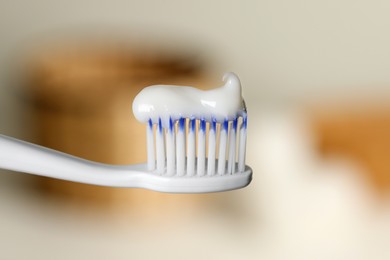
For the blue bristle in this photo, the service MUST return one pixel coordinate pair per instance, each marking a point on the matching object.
(160, 128)
(213, 125)
(203, 125)
(150, 123)
(235, 124)
(192, 125)
(245, 121)
(170, 125)
(182, 124)
(226, 125)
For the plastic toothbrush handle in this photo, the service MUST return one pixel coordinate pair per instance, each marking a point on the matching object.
(25, 157)
(17, 155)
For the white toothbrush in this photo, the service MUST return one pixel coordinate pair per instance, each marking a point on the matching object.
(172, 167)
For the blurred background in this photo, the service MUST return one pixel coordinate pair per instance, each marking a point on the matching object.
(316, 81)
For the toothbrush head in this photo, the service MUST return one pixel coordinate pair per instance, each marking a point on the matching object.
(196, 140)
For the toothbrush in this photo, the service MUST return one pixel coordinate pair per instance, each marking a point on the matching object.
(181, 123)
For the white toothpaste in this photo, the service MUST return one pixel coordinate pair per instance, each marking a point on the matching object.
(166, 102)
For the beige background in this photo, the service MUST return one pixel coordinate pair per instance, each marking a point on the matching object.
(281, 49)
(288, 54)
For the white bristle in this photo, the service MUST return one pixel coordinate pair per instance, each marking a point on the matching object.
(150, 146)
(174, 159)
(232, 148)
(200, 167)
(191, 148)
(222, 148)
(160, 147)
(180, 147)
(211, 151)
(170, 139)
(242, 146)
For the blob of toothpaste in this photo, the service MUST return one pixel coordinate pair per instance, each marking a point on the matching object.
(167, 102)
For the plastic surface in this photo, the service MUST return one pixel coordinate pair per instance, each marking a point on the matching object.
(25, 157)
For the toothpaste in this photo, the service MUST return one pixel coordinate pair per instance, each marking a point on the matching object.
(167, 102)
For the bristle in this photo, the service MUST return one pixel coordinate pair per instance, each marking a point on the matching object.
(200, 167)
(180, 147)
(160, 147)
(169, 144)
(191, 148)
(242, 145)
(211, 149)
(232, 147)
(222, 147)
(170, 138)
(150, 146)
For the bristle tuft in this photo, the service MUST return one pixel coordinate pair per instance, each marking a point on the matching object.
(178, 147)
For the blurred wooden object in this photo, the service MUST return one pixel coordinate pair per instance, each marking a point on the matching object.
(81, 97)
(362, 133)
